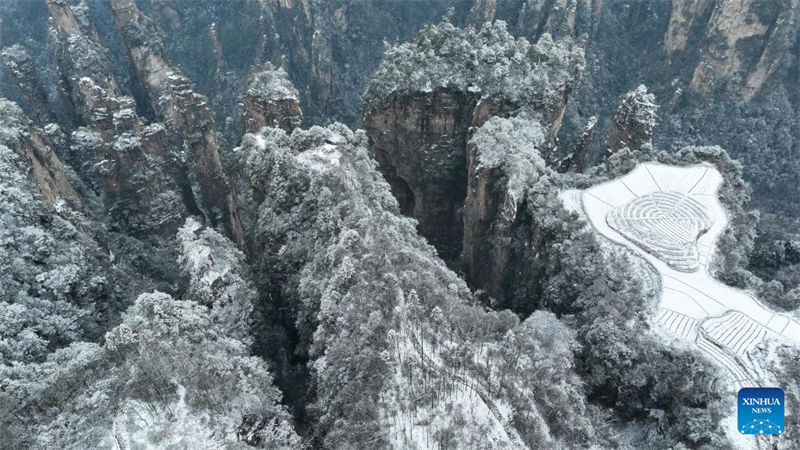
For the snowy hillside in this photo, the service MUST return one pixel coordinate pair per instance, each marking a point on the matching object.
(671, 216)
(682, 209)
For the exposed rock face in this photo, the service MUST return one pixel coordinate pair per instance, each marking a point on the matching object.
(102, 109)
(739, 41)
(681, 20)
(483, 11)
(577, 160)
(19, 64)
(173, 98)
(723, 64)
(54, 286)
(501, 241)
(488, 107)
(420, 111)
(80, 55)
(128, 164)
(270, 100)
(46, 169)
(687, 51)
(419, 142)
(114, 149)
(744, 41)
(533, 17)
(632, 125)
(63, 17)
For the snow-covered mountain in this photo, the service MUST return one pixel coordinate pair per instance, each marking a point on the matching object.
(533, 242)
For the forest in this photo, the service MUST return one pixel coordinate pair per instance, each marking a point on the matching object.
(350, 224)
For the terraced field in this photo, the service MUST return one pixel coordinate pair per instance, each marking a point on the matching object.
(678, 324)
(735, 331)
(671, 216)
(666, 224)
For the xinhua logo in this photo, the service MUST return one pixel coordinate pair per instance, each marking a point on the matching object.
(760, 411)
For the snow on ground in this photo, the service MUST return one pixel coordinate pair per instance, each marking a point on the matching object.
(671, 217)
(665, 224)
(462, 409)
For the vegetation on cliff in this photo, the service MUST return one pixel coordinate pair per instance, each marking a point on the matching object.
(487, 61)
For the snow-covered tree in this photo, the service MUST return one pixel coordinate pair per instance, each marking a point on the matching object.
(487, 62)
(166, 376)
(398, 351)
(632, 125)
(217, 276)
(51, 272)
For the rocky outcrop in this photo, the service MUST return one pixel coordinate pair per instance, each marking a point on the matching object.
(80, 55)
(53, 275)
(63, 17)
(22, 69)
(130, 164)
(135, 174)
(419, 142)
(270, 100)
(682, 19)
(532, 18)
(173, 98)
(501, 240)
(632, 125)
(482, 11)
(735, 45)
(428, 95)
(29, 142)
(577, 160)
(743, 41)
(488, 107)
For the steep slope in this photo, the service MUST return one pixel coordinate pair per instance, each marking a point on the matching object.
(426, 96)
(52, 271)
(723, 64)
(374, 306)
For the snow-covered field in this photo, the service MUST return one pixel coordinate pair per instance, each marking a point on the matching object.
(671, 216)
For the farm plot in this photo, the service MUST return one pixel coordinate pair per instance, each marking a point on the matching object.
(677, 323)
(666, 224)
(735, 331)
(671, 217)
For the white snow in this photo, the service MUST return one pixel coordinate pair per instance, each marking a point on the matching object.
(666, 224)
(676, 208)
(724, 323)
(571, 198)
(463, 407)
(320, 158)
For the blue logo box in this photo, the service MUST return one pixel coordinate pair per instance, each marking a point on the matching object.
(761, 411)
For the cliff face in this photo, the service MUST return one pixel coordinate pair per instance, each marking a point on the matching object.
(80, 54)
(419, 142)
(329, 49)
(632, 125)
(741, 53)
(124, 160)
(46, 169)
(716, 68)
(270, 100)
(532, 18)
(421, 117)
(742, 41)
(502, 241)
(22, 69)
(173, 99)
